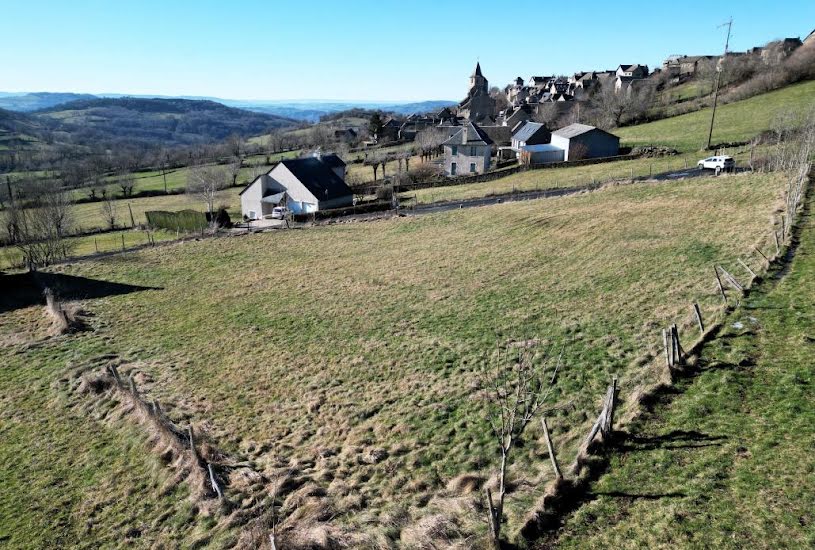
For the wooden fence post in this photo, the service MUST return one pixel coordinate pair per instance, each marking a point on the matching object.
(747, 267)
(192, 442)
(612, 401)
(719, 282)
(677, 345)
(96, 244)
(698, 313)
(123, 241)
(214, 482)
(665, 346)
(777, 247)
(551, 448)
(731, 280)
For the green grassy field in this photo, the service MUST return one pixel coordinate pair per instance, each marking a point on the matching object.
(728, 462)
(738, 121)
(301, 352)
(534, 180)
(90, 244)
(88, 216)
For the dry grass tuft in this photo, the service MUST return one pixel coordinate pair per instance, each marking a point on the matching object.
(432, 532)
(466, 484)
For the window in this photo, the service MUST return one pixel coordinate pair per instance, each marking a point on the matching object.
(453, 169)
(472, 151)
(472, 168)
(454, 150)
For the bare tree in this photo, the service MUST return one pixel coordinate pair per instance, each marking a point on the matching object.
(501, 101)
(615, 107)
(39, 228)
(546, 113)
(108, 209)
(164, 165)
(519, 383)
(126, 181)
(204, 182)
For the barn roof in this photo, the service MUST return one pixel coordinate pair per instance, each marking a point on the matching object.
(574, 130)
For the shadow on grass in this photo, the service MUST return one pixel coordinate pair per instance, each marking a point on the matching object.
(635, 496)
(677, 439)
(22, 290)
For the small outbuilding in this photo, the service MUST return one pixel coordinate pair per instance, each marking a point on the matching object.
(542, 153)
(580, 141)
(303, 185)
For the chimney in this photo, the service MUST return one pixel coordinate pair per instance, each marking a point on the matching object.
(464, 135)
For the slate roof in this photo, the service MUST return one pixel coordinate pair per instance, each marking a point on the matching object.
(530, 130)
(332, 160)
(316, 175)
(576, 129)
(500, 135)
(475, 136)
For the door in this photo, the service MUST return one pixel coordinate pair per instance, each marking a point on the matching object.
(453, 169)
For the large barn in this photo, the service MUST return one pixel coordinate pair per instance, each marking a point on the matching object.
(580, 141)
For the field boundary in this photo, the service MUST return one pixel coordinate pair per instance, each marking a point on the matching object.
(564, 496)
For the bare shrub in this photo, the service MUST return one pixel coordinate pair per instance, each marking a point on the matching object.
(204, 182)
(425, 172)
(519, 383)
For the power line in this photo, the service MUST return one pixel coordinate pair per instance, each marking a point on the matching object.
(729, 24)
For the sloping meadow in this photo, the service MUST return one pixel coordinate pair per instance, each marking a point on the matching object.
(346, 363)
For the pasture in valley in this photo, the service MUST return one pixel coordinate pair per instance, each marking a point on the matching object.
(346, 363)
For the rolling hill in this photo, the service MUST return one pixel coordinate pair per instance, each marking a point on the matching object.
(155, 121)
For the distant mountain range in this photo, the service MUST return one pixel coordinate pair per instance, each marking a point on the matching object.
(303, 110)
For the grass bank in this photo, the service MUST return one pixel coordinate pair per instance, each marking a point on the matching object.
(727, 462)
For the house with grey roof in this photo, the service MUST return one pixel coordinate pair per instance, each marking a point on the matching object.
(303, 185)
(635, 71)
(468, 151)
(531, 133)
(580, 141)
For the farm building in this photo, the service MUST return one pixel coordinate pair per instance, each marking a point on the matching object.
(580, 141)
(303, 185)
(541, 153)
(468, 151)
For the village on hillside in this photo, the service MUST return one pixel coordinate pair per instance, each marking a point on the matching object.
(532, 123)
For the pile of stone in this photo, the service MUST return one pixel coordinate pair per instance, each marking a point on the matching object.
(651, 151)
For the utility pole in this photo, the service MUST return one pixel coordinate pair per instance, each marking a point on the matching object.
(729, 24)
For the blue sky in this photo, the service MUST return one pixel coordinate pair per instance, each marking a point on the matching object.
(356, 50)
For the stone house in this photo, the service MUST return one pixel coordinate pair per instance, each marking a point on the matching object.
(632, 71)
(468, 151)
